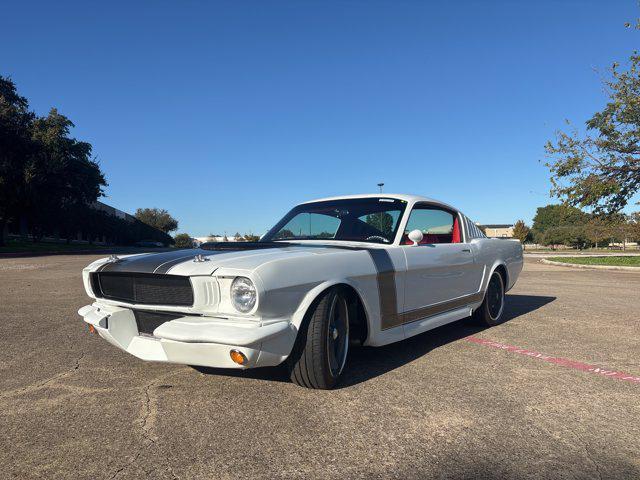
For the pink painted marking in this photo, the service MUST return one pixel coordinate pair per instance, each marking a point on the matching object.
(565, 362)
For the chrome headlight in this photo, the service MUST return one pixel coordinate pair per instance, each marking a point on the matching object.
(243, 294)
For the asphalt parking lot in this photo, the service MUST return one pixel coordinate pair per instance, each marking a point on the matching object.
(435, 406)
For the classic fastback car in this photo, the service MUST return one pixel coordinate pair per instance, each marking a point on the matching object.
(337, 272)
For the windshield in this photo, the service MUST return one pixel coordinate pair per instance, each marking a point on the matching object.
(359, 219)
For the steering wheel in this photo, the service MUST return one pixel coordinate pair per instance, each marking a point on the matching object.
(377, 237)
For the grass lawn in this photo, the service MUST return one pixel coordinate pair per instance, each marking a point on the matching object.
(617, 261)
(21, 246)
(573, 251)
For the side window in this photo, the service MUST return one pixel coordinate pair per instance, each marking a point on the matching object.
(436, 225)
(473, 231)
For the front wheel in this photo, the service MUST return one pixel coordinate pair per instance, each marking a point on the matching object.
(490, 312)
(320, 353)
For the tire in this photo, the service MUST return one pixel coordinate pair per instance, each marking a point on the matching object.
(490, 313)
(320, 353)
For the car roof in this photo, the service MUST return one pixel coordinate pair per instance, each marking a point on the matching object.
(409, 198)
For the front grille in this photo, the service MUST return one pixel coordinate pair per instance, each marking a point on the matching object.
(147, 322)
(143, 288)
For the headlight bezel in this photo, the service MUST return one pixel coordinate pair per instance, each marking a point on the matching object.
(244, 286)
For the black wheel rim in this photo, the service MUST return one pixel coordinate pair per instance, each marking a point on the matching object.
(495, 297)
(337, 335)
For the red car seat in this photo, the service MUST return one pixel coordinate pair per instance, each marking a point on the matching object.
(431, 238)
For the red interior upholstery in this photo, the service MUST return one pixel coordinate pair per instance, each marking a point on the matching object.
(455, 237)
(431, 238)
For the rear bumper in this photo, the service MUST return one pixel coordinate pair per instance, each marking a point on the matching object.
(193, 340)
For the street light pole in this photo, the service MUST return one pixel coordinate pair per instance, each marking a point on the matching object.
(380, 185)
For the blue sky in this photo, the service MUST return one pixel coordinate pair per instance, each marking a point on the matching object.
(229, 113)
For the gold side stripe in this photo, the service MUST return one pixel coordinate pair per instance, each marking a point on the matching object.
(431, 310)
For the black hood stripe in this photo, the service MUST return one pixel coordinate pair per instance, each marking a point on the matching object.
(148, 263)
(164, 268)
(163, 262)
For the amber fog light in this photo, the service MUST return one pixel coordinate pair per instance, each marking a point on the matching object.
(238, 357)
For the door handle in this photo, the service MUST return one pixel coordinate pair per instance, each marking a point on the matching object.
(468, 250)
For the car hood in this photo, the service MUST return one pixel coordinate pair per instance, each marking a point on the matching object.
(205, 262)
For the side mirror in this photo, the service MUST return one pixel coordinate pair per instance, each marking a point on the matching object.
(416, 237)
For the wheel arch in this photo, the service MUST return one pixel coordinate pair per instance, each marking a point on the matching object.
(359, 317)
(501, 268)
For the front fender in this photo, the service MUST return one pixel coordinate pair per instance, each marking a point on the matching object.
(314, 293)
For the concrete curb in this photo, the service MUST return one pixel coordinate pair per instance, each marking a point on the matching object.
(589, 267)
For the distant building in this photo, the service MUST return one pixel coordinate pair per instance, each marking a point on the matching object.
(98, 205)
(116, 228)
(503, 230)
(201, 240)
(217, 238)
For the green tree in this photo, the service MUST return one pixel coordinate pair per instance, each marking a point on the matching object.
(60, 176)
(15, 147)
(598, 230)
(284, 234)
(634, 226)
(157, 218)
(555, 216)
(568, 235)
(250, 237)
(183, 240)
(575, 236)
(381, 221)
(521, 231)
(46, 176)
(551, 237)
(600, 169)
(620, 228)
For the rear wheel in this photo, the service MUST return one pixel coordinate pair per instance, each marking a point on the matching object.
(492, 308)
(321, 349)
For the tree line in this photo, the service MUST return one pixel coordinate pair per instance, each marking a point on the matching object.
(49, 181)
(184, 240)
(555, 225)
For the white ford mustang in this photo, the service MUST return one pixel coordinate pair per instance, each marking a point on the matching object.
(366, 269)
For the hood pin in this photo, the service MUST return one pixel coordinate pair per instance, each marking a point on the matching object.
(199, 258)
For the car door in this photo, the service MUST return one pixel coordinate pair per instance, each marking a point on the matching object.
(441, 270)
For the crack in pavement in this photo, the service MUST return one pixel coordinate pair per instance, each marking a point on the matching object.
(579, 441)
(148, 418)
(147, 424)
(126, 465)
(45, 383)
(588, 453)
